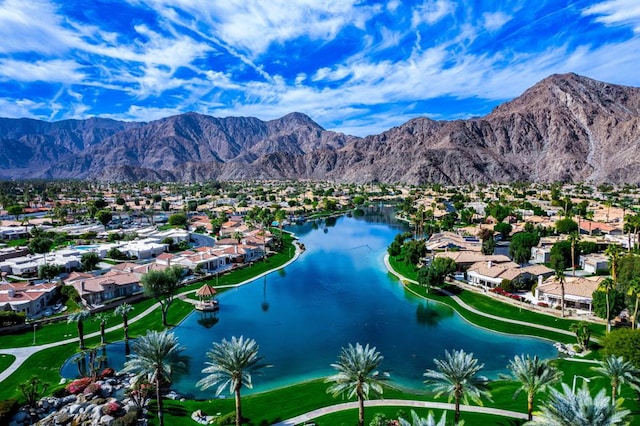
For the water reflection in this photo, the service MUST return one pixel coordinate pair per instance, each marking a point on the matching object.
(430, 314)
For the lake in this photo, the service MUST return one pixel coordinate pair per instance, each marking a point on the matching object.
(338, 292)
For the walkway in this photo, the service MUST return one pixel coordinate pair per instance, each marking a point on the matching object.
(398, 403)
(25, 352)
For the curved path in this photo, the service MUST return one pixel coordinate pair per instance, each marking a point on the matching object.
(22, 353)
(398, 403)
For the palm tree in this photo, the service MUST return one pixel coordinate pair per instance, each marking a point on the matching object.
(619, 372)
(574, 239)
(79, 317)
(607, 286)
(561, 280)
(357, 375)
(123, 310)
(156, 356)
(534, 375)
(634, 290)
(614, 252)
(457, 376)
(421, 421)
(102, 319)
(580, 409)
(232, 362)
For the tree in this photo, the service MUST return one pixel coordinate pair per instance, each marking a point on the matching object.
(521, 244)
(156, 356)
(535, 376)
(15, 210)
(488, 242)
(633, 289)
(435, 273)
(357, 375)
(162, 286)
(79, 317)
(178, 219)
(102, 319)
(40, 245)
(580, 409)
(32, 390)
(123, 310)
(457, 376)
(89, 261)
(574, 239)
(566, 226)
(624, 342)
(560, 279)
(607, 286)
(619, 372)
(414, 250)
(614, 253)
(49, 271)
(231, 364)
(503, 228)
(104, 217)
(605, 310)
(583, 334)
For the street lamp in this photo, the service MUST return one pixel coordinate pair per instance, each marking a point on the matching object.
(573, 387)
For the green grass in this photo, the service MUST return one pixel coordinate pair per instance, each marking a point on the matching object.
(5, 361)
(15, 243)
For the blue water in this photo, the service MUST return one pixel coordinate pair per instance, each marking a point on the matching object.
(338, 292)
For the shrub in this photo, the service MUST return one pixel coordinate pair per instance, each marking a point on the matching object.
(129, 419)
(227, 419)
(92, 388)
(107, 372)
(111, 408)
(78, 386)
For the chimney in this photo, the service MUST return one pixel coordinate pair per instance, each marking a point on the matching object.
(82, 286)
(489, 264)
(539, 280)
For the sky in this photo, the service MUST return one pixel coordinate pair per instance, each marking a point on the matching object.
(354, 66)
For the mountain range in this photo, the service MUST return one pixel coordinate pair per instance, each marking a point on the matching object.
(566, 128)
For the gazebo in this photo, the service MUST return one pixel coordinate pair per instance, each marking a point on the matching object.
(206, 298)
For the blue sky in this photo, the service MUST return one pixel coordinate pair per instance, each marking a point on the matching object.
(359, 67)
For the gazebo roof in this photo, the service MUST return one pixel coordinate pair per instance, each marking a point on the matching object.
(206, 291)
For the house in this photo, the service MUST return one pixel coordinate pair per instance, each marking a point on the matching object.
(593, 263)
(445, 241)
(541, 254)
(27, 297)
(464, 258)
(490, 275)
(578, 292)
(113, 284)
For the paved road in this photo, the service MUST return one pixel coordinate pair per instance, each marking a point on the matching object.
(398, 403)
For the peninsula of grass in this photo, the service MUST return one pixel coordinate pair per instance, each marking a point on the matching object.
(494, 307)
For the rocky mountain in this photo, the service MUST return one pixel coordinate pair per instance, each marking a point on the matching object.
(565, 128)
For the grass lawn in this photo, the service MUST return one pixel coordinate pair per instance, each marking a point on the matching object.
(5, 361)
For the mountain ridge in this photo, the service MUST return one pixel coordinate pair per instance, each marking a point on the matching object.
(565, 128)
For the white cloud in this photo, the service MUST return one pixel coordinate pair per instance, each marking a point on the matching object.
(495, 21)
(54, 71)
(253, 25)
(616, 12)
(431, 12)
